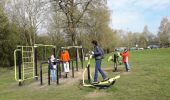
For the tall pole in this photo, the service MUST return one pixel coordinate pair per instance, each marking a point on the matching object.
(57, 70)
(88, 73)
(36, 61)
(43, 53)
(54, 51)
(19, 68)
(72, 69)
(41, 76)
(82, 57)
(49, 61)
(77, 59)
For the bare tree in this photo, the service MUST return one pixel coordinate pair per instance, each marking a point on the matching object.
(29, 15)
(74, 11)
(164, 32)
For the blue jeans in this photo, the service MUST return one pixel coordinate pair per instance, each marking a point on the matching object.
(53, 74)
(98, 68)
(127, 66)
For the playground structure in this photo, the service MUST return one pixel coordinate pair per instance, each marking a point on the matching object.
(26, 59)
(26, 62)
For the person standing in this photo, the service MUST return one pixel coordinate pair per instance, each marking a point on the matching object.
(115, 60)
(65, 58)
(97, 53)
(52, 65)
(125, 56)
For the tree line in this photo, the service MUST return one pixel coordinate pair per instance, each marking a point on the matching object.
(145, 38)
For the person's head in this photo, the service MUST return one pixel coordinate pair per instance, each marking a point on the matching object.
(62, 50)
(94, 42)
(125, 50)
(52, 56)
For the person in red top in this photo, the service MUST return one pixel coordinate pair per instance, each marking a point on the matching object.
(125, 58)
(65, 58)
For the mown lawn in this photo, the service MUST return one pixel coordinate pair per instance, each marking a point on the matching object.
(149, 79)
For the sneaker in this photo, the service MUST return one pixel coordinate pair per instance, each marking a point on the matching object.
(95, 82)
(128, 70)
(106, 79)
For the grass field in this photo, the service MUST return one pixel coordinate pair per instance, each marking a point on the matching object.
(149, 79)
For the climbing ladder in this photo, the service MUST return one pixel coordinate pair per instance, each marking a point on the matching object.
(28, 69)
(25, 60)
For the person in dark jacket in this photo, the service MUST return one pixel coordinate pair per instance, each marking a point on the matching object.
(52, 65)
(97, 53)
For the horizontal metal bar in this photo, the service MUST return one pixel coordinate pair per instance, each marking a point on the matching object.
(28, 68)
(27, 51)
(28, 62)
(79, 47)
(27, 57)
(24, 46)
(29, 78)
(28, 73)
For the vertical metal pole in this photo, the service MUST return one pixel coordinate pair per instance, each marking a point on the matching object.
(82, 58)
(43, 53)
(36, 66)
(49, 71)
(62, 66)
(54, 51)
(72, 69)
(19, 68)
(76, 59)
(88, 73)
(57, 70)
(69, 64)
(41, 77)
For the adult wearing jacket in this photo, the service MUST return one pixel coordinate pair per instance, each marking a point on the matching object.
(97, 53)
(65, 58)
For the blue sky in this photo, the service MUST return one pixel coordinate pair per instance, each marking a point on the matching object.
(133, 15)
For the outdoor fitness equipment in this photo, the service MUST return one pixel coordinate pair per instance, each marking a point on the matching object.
(102, 84)
(56, 62)
(76, 49)
(116, 58)
(26, 59)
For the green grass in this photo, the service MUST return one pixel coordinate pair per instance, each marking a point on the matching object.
(149, 79)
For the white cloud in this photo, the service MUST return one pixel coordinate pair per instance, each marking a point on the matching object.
(153, 4)
(133, 15)
(128, 21)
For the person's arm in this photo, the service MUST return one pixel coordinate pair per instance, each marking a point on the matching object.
(97, 52)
